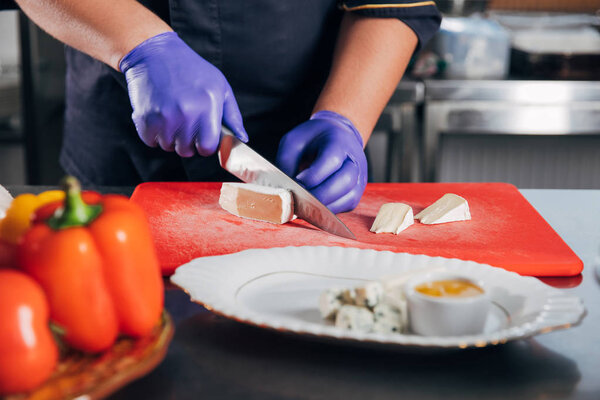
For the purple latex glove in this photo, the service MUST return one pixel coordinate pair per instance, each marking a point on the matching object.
(337, 173)
(179, 99)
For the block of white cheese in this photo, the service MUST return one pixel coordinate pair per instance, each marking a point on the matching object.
(260, 203)
(368, 295)
(393, 218)
(367, 308)
(348, 296)
(388, 319)
(448, 208)
(396, 299)
(330, 303)
(354, 318)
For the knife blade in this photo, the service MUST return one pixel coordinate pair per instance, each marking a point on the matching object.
(249, 166)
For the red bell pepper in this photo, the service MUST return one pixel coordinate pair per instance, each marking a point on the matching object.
(28, 354)
(98, 267)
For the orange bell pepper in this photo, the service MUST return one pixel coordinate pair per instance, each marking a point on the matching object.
(98, 267)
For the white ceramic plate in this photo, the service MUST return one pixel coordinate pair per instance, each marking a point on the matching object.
(279, 288)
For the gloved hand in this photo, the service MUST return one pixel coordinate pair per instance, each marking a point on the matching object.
(337, 173)
(179, 99)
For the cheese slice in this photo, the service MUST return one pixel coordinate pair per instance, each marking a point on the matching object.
(260, 203)
(393, 218)
(448, 208)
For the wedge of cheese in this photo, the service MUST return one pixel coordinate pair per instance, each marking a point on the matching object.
(260, 203)
(449, 208)
(393, 218)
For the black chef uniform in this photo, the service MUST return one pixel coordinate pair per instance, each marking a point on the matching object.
(275, 54)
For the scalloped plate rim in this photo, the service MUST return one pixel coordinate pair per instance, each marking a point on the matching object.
(328, 332)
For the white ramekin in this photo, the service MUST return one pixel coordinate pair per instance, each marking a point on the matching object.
(445, 316)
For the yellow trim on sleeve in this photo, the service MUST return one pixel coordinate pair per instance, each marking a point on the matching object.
(404, 5)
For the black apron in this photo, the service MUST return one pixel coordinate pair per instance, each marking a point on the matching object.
(275, 54)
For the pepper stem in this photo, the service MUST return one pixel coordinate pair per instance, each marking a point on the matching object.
(74, 212)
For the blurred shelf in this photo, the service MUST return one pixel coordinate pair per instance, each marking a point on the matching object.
(517, 91)
(10, 94)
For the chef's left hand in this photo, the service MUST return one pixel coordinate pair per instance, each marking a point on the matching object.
(337, 173)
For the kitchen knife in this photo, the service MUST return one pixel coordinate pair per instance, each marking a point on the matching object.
(243, 162)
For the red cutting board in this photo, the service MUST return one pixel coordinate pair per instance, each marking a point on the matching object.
(505, 230)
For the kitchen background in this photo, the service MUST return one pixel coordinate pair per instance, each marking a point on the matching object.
(507, 91)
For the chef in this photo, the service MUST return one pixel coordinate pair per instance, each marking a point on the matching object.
(150, 83)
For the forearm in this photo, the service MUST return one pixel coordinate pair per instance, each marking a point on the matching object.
(106, 29)
(370, 58)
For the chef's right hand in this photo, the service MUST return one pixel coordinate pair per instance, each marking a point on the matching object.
(179, 99)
